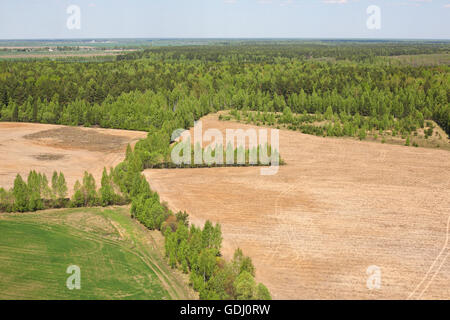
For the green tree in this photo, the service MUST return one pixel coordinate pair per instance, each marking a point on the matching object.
(262, 293)
(61, 186)
(20, 192)
(242, 263)
(106, 190)
(45, 189)
(245, 286)
(55, 185)
(362, 134)
(89, 190)
(329, 113)
(78, 196)
(207, 263)
(34, 192)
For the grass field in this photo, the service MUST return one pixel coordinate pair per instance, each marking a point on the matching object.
(118, 258)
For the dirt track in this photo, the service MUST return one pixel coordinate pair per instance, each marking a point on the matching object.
(72, 150)
(336, 208)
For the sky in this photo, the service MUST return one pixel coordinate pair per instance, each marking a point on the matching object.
(397, 19)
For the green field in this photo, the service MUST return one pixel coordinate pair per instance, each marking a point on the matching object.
(118, 258)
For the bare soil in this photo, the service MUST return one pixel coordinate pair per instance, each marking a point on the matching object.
(72, 150)
(336, 208)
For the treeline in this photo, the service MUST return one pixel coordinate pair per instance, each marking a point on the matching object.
(37, 193)
(332, 124)
(217, 156)
(198, 251)
(193, 250)
(270, 51)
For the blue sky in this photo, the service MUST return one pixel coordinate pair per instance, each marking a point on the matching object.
(37, 19)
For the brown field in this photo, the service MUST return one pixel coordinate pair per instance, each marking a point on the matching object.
(337, 207)
(72, 150)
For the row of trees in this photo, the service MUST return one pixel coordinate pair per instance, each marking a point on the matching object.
(330, 123)
(36, 193)
(197, 251)
(194, 250)
(86, 193)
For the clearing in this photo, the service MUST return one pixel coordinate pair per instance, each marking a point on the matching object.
(336, 208)
(117, 256)
(72, 150)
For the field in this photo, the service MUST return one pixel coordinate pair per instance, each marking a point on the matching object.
(9, 55)
(42, 49)
(72, 150)
(419, 138)
(118, 257)
(422, 59)
(336, 208)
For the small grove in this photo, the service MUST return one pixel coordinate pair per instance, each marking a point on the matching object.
(337, 125)
(37, 193)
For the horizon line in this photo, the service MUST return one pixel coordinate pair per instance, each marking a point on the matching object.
(221, 38)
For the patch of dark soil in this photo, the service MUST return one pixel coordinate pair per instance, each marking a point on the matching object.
(48, 157)
(79, 138)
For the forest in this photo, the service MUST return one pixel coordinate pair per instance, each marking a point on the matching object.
(159, 90)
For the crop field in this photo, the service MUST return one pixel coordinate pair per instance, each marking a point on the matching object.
(73, 150)
(338, 207)
(117, 257)
(19, 55)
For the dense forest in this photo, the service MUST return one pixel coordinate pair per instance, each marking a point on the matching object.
(163, 89)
